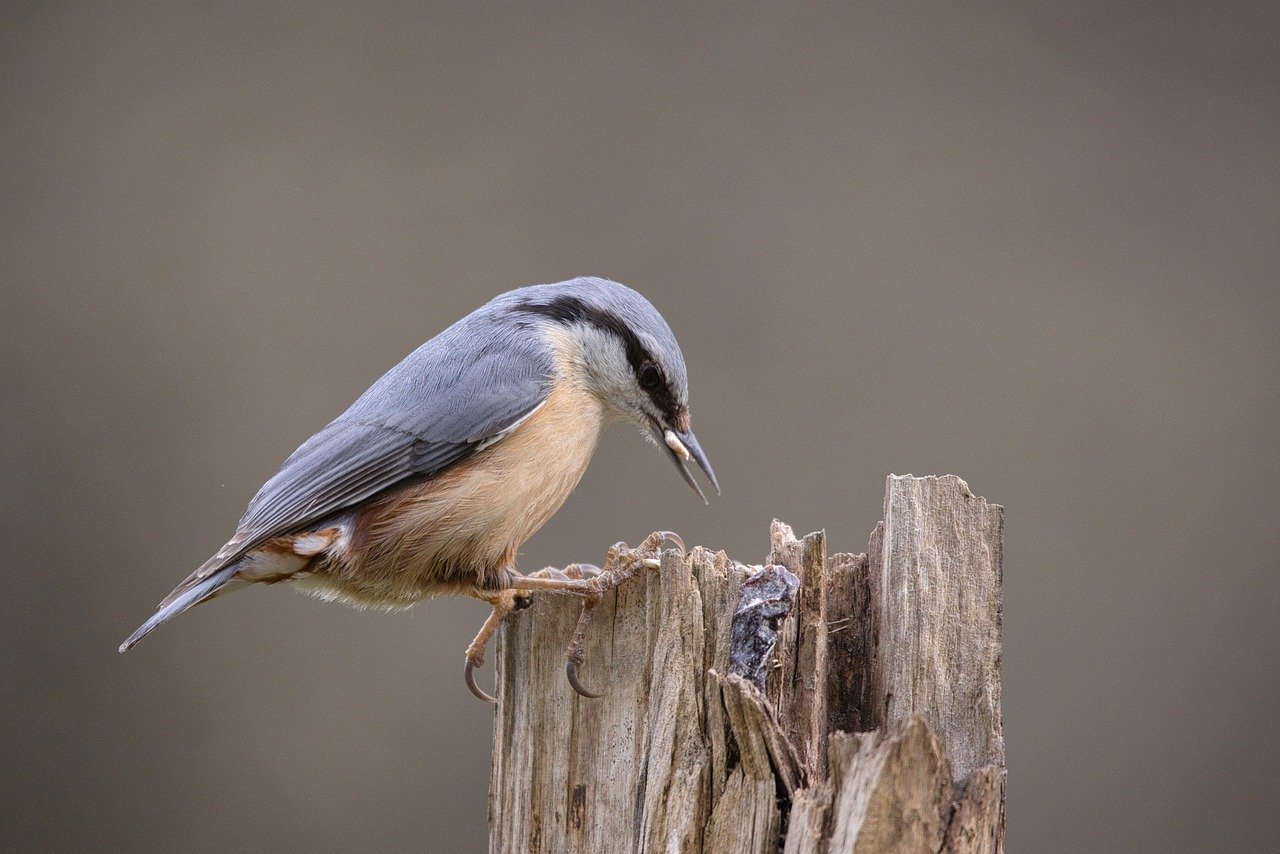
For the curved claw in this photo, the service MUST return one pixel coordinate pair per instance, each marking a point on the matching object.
(672, 536)
(571, 670)
(469, 674)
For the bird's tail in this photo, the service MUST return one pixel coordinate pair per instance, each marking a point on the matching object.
(195, 592)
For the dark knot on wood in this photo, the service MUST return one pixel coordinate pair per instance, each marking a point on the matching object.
(764, 603)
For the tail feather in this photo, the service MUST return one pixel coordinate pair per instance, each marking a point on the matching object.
(232, 568)
(180, 600)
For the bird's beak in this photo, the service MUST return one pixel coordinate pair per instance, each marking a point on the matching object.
(684, 447)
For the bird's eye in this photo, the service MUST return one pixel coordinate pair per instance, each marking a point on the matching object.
(650, 376)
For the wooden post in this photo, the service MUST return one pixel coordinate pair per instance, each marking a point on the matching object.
(878, 727)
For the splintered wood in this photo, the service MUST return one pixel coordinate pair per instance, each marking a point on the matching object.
(878, 727)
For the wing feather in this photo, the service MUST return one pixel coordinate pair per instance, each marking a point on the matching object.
(456, 395)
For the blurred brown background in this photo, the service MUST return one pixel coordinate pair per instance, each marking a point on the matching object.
(1034, 245)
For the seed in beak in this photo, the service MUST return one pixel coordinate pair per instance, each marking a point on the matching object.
(674, 443)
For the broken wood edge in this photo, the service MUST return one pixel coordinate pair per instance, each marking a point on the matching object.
(801, 658)
(894, 792)
(763, 747)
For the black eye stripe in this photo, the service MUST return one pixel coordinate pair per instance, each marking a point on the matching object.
(568, 309)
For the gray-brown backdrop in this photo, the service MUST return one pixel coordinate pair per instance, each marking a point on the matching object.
(1034, 245)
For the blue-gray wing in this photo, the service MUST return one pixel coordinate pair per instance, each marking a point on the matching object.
(454, 396)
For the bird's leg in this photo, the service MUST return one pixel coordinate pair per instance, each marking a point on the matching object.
(577, 579)
(620, 564)
(574, 654)
(503, 603)
(625, 563)
(574, 572)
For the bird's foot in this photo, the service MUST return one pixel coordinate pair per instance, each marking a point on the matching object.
(579, 579)
(621, 564)
(572, 572)
(503, 603)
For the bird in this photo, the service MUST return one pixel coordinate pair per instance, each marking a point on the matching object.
(432, 480)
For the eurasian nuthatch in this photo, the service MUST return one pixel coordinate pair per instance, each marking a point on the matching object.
(439, 472)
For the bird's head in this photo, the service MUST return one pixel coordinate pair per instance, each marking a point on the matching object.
(626, 355)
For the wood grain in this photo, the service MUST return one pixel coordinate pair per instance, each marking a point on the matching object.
(937, 576)
(878, 729)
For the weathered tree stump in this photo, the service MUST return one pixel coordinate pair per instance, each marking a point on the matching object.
(849, 703)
